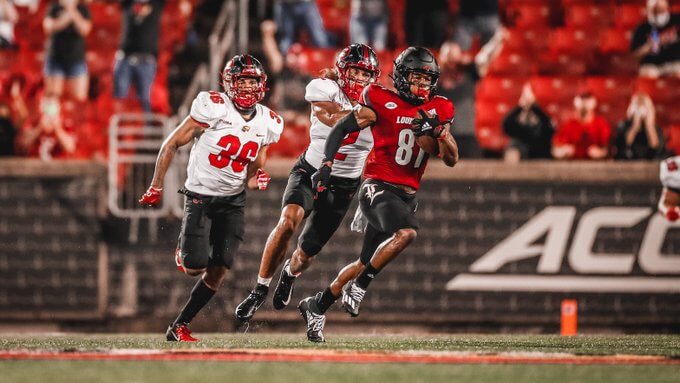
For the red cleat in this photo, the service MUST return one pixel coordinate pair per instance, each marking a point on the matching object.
(178, 261)
(179, 333)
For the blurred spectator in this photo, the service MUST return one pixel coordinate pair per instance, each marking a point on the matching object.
(13, 114)
(136, 58)
(425, 22)
(584, 136)
(286, 79)
(8, 17)
(638, 136)
(32, 5)
(656, 42)
(67, 22)
(529, 128)
(368, 24)
(476, 17)
(460, 74)
(48, 139)
(293, 15)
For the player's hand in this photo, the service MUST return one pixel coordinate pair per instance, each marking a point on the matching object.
(152, 197)
(262, 179)
(673, 214)
(321, 178)
(426, 125)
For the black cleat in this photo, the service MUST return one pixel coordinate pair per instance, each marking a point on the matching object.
(352, 295)
(284, 289)
(313, 318)
(246, 309)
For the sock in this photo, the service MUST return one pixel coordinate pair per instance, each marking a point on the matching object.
(200, 295)
(367, 276)
(290, 273)
(325, 301)
(264, 281)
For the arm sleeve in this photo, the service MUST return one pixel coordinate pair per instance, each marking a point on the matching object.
(320, 90)
(345, 126)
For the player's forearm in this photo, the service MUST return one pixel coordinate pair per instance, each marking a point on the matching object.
(83, 25)
(448, 148)
(345, 126)
(165, 156)
(257, 163)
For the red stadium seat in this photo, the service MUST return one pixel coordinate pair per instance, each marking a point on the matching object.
(622, 64)
(488, 125)
(311, 60)
(551, 64)
(557, 90)
(611, 89)
(664, 90)
(615, 40)
(574, 41)
(673, 135)
(506, 89)
(588, 16)
(528, 16)
(628, 16)
(512, 64)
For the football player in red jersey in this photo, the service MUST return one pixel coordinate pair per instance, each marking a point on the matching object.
(407, 126)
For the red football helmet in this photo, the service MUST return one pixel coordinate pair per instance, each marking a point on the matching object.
(244, 66)
(356, 56)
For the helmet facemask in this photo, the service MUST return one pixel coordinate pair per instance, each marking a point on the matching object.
(423, 92)
(244, 98)
(353, 86)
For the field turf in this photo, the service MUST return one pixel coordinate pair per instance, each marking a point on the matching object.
(661, 347)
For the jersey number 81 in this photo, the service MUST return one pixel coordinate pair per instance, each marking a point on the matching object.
(406, 144)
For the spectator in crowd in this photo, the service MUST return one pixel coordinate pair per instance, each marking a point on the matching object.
(32, 5)
(656, 42)
(13, 114)
(293, 15)
(425, 22)
(67, 22)
(584, 136)
(8, 17)
(286, 79)
(49, 138)
(638, 136)
(476, 17)
(368, 24)
(136, 57)
(529, 128)
(460, 74)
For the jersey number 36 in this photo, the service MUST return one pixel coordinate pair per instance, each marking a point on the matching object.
(232, 145)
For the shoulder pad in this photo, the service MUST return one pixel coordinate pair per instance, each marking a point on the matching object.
(321, 89)
(209, 106)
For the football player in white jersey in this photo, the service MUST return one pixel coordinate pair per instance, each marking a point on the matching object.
(670, 195)
(230, 132)
(332, 97)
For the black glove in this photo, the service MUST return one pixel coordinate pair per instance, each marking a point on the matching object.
(321, 179)
(430, 126)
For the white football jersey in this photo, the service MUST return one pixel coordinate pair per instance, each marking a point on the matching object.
(670, 173)
(351, 157)
(218, 163)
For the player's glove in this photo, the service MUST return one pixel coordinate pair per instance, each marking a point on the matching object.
(152, 197)
(673, 214)
(321, 178)
(262, 179)
(425, 125)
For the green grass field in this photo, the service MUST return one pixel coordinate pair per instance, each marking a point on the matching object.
(198, 371)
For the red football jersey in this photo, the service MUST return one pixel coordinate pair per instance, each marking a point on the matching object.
(396, 157)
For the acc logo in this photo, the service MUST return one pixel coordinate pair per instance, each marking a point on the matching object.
(390, 105)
